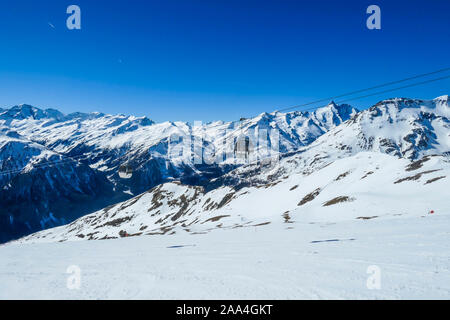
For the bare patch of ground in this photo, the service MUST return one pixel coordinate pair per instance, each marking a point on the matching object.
(415, 177)
(163, 230)
(338, 200)
(261, 224)
(367, 174)
(115, 222)
(106, 238)
(214, 219)
(417, 164)
(434, 179)
(287, 217)
(225, 200)
(342, 176)
(309, 197)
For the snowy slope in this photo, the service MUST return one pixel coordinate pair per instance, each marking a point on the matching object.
(276, 261)
(362, 186)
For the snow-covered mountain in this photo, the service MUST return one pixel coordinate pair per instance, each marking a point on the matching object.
(366, 186)
(403, 128)
(56, 167)
(35, 195)
(390, 160)
(105, 141)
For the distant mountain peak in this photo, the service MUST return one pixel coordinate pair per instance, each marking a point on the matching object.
(332, 104)
(442, 98)
(26, 111)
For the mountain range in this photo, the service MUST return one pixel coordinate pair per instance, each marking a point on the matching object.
(335, 163)
(55, 168)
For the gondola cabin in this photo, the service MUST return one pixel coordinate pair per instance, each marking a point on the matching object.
(243, 147)
(125, 171)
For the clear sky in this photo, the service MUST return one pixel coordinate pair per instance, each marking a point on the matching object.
(214, 59)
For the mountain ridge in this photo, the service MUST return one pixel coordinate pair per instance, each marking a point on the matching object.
(333, 177)
(93, 147)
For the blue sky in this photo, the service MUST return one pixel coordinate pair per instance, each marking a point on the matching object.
(214, 59)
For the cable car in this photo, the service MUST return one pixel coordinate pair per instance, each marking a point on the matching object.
(125, 171)
(243, 147)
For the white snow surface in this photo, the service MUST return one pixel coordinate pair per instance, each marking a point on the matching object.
(277, 261)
